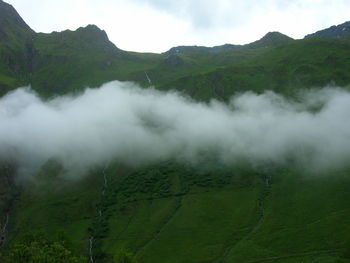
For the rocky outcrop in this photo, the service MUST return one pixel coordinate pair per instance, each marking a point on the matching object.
(333, 32)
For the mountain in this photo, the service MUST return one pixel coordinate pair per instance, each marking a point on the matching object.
(269, 40)
(191, 49)
(15, 47)
(333, 32)
(285, 69)
(169, 212)
(12, 26)
(85, 57)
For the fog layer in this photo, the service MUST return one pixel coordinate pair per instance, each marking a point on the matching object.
(120, 121)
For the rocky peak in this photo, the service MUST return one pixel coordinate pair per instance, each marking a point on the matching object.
(270, 39)
(334, 32)
(93, 32)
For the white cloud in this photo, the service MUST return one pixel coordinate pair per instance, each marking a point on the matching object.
(121, 121)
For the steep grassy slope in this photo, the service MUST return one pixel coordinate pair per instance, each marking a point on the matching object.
(284, 69)
(305, 217)
(15, 46)
(69, 60)
(61, 62)
(189, 61)
(173, 213)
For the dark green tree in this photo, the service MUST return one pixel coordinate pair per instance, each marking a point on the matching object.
(41, 252)
(123, 256)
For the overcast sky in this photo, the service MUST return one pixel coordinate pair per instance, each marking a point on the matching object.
(157, 25)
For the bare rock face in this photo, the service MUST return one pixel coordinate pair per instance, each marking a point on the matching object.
(173, 61)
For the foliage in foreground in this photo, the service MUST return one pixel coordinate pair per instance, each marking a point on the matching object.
(41, 252)
(123, 256)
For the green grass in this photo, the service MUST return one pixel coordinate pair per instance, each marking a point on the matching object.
(202, 227)
(68, 61)
(302, 215)
(172, 213)
(57, 207)
(285, 69)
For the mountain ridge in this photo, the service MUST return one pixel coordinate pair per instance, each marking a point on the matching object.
(333, 32)
(268, 40)
(275, 38)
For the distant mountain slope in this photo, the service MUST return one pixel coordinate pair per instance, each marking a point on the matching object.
(15, 47)
(66, 61)
(60, 62)
(284, 69)
(269, 40)
(84, 57)
(335, 32)
(190, 49)
(12, 26)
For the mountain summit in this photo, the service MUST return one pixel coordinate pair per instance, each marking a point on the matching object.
(90, 36)
(270, 39)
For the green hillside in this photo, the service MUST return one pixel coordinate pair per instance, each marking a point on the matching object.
(15, 45)
(172, 212)
(293, 66)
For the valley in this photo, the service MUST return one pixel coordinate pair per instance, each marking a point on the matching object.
(194, 201)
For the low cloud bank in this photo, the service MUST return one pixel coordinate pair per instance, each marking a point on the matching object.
(121, 121)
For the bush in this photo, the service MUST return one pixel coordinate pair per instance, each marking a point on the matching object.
(123, 256)
(41, 252)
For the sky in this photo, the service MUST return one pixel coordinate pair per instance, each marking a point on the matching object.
(158, 25)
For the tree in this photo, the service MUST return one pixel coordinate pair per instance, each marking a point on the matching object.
(41, 252)
(123, 256)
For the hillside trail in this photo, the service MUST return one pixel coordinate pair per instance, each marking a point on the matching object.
(261, 207)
